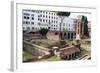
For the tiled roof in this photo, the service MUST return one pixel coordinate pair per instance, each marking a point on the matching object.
(69, 50)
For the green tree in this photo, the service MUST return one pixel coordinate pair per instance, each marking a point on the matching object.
(62, 15)
(43, 31)
(84, 23)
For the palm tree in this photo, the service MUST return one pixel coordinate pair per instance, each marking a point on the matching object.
(84, 26)
(43, 32)
(62, 15)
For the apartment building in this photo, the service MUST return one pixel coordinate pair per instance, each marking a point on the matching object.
(34, 20)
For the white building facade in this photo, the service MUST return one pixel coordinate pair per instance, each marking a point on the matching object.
(30, 20)
(34, 20)
(68, 24)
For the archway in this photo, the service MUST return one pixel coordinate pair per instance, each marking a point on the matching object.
(71, 35)
(68, 35)
(70, 57)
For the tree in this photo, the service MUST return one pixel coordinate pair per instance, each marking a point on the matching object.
(84, 23)
(43, 31)
(62, 15)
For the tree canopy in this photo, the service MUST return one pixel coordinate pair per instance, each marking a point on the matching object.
(43, 31)
(63, 13)
(84, 22)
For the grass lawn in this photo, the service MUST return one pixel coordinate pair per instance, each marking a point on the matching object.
(44, 42)
(85, 50)
(86, 46)
(26, 56)
(53, 58)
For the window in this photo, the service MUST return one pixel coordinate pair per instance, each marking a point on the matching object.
(32, 22)
(24, 22)
(46, 20)
(43, 15)
(24, 17)
(32, 28)
(63, 24)
(23, 28)
(27, 17)
(26, 13)
(56, 22)
(69, 29)
(38, 11)
(46, 16)
(32, 15)
(32, 18)
(27, 22)
(48, 27)
(46, 12)
(43, 11)
(69, 25)
(28, 28)
(52, 21)
(40, 19)
(66, 25)
(43, 20)
(63, 29)
(38, 23)
(40, 15)
(49, 21)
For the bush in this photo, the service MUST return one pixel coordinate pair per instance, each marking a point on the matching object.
(63, 42)
(43, 31)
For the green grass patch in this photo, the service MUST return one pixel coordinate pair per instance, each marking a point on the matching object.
(53, 58)
(26, 56)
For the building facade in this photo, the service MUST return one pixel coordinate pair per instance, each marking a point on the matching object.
(89, 28)
(34, 20)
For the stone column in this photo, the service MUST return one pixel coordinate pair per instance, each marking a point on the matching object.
(82, 30)
(72, 55)
(66, 35)
(70, 35)
(78, 30)
(67, 56)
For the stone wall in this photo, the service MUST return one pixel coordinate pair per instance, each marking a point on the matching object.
(36, 51)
